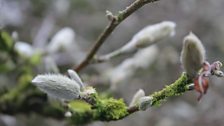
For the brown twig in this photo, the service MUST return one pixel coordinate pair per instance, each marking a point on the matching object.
(114, 22)
(132, 109)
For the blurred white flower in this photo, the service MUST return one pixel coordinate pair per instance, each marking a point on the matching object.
(58, 86)
(62, 40)
(140, 93)
(68, 114)
(141, 60)
(15, 36)
(24, 48)
(192, 55)
(50, 65)
(145, 57)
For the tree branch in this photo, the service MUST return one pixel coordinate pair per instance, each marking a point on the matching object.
(114, 22)
(26, 98)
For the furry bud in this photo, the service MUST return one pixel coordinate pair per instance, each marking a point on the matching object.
(57, 86)
(192, 55)
(150, 34)
(73, 75)
(145, 102)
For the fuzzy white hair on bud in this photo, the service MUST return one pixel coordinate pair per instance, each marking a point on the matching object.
(150, 34)
(192, 55)
(140, 93)
(73, 75)
(57, 86)
(144, 38)
(145, 102)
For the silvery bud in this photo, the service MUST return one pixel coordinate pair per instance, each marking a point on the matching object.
(73, 75)
(140, 93)
(144, 38)
(109, 15)
(145, 102)
(58, 86)
(192, 55)
(150, 34)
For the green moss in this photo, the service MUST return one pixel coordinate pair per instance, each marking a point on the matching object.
(175, 89)
(82, 112)
(110, 109)
(120, 17)
(82, 117)
(79, 106)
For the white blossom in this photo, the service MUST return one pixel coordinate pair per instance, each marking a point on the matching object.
(24, 48)
(58, 86)
(62, 40)
(141, 60)
(192, 55)
(50, 65)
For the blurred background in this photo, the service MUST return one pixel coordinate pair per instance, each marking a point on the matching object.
(37, 22)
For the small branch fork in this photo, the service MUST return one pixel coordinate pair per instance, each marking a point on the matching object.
(114, 22)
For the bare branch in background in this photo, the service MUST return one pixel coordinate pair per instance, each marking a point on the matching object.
(109, 29)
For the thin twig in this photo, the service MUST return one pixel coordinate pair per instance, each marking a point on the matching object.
(109, 29)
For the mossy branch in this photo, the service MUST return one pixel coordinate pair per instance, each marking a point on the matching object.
(25, 98)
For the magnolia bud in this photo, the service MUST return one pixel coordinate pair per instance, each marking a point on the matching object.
(140, 93)
(73, 75)
(145, 102)
(57, 86)
(144, 38)
(192, 55)
(150, 35)
(109, 15)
